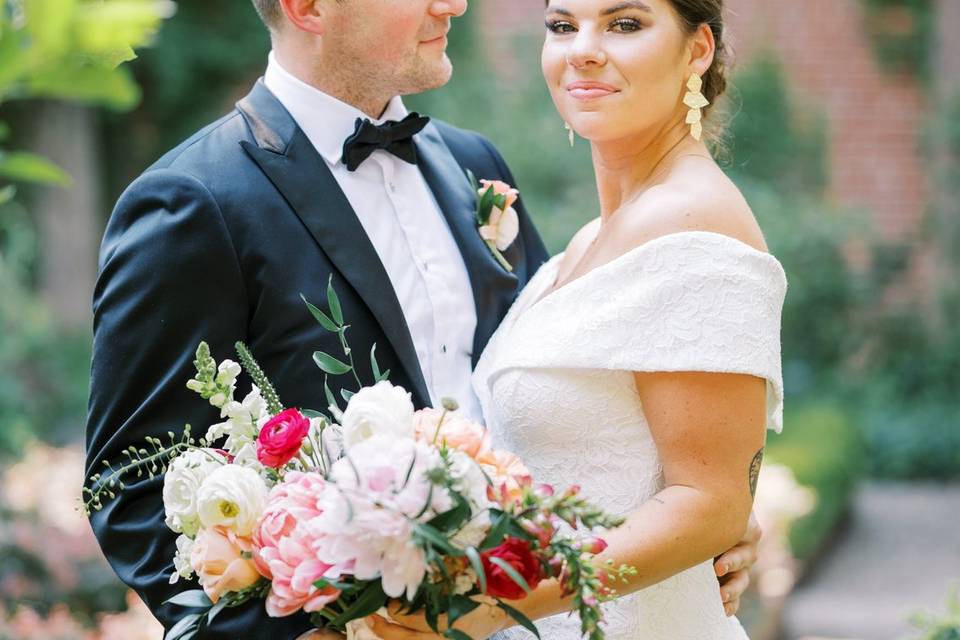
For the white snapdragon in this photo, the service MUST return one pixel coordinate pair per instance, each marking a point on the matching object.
(380, 410)
(181, 484)
(243, 421)
(233, 497)
(181, 560)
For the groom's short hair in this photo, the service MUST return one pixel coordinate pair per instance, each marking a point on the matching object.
(269, 11)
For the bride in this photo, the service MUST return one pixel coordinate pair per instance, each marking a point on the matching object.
(643, 363)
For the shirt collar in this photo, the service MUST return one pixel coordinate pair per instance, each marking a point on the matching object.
(326, 121)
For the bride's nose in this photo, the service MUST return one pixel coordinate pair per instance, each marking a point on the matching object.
(586, 50)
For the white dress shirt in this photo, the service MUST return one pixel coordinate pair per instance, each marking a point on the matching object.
(406, 227)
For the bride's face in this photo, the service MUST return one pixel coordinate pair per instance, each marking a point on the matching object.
(616, 69)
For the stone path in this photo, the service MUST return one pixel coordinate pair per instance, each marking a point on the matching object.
(900, 553)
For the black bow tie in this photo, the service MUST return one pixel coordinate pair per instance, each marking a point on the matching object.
(395, 137)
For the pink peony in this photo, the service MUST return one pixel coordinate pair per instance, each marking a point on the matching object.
(220, 559)
(282, 548)
(458, 431)
(280, 439)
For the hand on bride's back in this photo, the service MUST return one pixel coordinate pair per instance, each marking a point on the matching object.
(322, 634)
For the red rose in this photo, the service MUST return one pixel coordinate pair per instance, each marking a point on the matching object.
(280, 439)
(516, 553)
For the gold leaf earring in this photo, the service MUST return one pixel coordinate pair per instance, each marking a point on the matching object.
(570, 134)
(696, 101)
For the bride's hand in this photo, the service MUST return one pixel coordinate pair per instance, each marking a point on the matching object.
(479, 624)
(733, 567)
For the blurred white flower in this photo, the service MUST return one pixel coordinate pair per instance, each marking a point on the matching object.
(382, 409)
(233, 497)
(181, 560)
(180, 485)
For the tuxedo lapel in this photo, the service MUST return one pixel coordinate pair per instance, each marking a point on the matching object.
(493, 286)
(290, 161)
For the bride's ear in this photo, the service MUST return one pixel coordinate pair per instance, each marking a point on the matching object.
(306, 15)
(702, 47)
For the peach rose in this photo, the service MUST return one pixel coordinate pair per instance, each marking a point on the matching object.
(507, 471)
(504, 224)
(223, 562)
(458, 431)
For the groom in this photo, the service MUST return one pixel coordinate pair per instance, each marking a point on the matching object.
(319, 172)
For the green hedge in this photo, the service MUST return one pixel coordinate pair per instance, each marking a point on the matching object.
(822, 446)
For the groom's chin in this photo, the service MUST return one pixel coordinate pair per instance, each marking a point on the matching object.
(432, 74)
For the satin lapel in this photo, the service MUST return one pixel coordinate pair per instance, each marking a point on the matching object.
(493, 286)
(289, 160)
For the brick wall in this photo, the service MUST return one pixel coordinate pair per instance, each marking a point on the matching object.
(874, 118)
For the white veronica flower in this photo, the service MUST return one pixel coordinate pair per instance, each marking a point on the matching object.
(380, 410)
(181, 560)
(181, 483)
(234, 497)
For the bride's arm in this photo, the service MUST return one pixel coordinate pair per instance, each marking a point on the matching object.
(708, 429)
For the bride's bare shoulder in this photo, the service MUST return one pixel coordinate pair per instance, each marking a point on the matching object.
(702, 198)
(581, 240)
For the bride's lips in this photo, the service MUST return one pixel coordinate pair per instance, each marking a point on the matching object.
(584, 90)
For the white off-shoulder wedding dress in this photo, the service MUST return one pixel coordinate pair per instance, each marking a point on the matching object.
(556, 388)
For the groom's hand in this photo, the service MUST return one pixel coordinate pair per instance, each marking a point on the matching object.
(733, 567)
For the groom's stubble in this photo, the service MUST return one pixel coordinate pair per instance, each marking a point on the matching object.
(372, 50)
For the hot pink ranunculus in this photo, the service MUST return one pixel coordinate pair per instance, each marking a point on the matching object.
(280, 439)
(218, 557)
(457, 430)
(282, 547)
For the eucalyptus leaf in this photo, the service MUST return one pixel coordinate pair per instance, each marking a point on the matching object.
(437, 539)
(477, 563)
(183, 626)
(456, 634)
(320, 316)
(459, 606)
(369, 600)
(329, 364)
(521, 619)
(334, 301)
(192, 598)
(347, 395)
(513, 573)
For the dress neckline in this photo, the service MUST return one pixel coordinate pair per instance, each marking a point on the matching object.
(552, 292)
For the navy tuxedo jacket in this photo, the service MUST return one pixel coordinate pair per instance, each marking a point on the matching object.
(216, 242)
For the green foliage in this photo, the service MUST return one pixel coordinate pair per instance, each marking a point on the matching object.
(823, 448)
(772, 141)
(902, 32)
(937, 627)
(63, 50)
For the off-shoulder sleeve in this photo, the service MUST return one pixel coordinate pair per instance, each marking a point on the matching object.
(691, 301)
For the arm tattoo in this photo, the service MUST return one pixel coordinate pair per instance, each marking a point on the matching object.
(755, 472)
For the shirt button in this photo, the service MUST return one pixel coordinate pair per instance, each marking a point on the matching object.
(393, 188)
(443, 348)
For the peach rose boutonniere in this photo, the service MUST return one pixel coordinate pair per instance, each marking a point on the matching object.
(496, 218)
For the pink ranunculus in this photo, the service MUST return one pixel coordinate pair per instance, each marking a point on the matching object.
(282, 547)
(280, 439)
(218, 558)
(458, 431)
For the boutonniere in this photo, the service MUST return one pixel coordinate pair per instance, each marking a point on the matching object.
(497, 220)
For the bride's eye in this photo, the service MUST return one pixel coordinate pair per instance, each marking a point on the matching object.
(560, 26)
(625, 25)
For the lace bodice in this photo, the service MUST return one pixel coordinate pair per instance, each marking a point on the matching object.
(556, 386)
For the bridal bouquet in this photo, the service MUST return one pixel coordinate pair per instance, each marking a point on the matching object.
(336, 513)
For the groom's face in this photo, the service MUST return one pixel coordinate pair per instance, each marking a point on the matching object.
(398, 45)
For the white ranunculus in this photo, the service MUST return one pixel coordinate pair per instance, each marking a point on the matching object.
(181, 560)
(181, 483)
(382, 409)
(233, 497)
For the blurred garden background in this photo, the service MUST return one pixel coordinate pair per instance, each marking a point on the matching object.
(843, 130)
